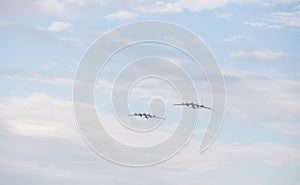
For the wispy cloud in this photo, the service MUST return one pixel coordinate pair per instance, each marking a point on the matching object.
(57, 120)
(15, 75)
(236, 37)
(29, 119)
(195, 5)
(73, 40)
(75, 8)
(290, 19)
(40, 143)
(220, 153)
(47, 33)
(268, 153)
(58, 26)
(262, 54)
(257, 99)
(39, 115)
(223, 15)
(278, 20)
(52, 8)
(121, 15)
(290, 127)
(263, 25)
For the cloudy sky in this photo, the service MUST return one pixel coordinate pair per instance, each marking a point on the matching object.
(256, 43)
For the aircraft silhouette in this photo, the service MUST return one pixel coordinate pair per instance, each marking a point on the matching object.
(194, 105)
(146, 116)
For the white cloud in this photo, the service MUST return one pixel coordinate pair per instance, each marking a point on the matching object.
(222, 154)
(121, 15)
(51, 7)
(14, 75)
(267, 153)
(223, 15)
(45, 116)
(181, 5)
(58, 26)
(236, 37)
(278, 20)
(195, 5)
(265, 2)
(260, 100)
(263, 25)
(42, 34)
(75, 8)
(55, 8)
(77, 41)
(49, 66)
(297, 7)
(286, 127)
(262, 54)
(39, 115)
(275, 2)
(290, 19)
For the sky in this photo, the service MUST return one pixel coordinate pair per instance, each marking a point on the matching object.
(256, 45)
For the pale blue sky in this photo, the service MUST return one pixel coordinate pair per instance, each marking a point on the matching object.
(256, 43)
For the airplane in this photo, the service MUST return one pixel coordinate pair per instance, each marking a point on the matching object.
(146, 116)
(194, 105)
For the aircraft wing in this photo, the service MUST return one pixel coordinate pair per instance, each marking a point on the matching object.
(206, 107)
(178, 104)
(159, 117)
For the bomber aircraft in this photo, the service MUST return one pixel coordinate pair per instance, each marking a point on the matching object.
(146, 115)
(193, 105)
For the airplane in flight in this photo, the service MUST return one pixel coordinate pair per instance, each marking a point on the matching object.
(194, 105)
(146, 116)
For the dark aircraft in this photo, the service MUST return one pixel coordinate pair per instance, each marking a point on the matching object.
(146, 116)
(194, 105)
